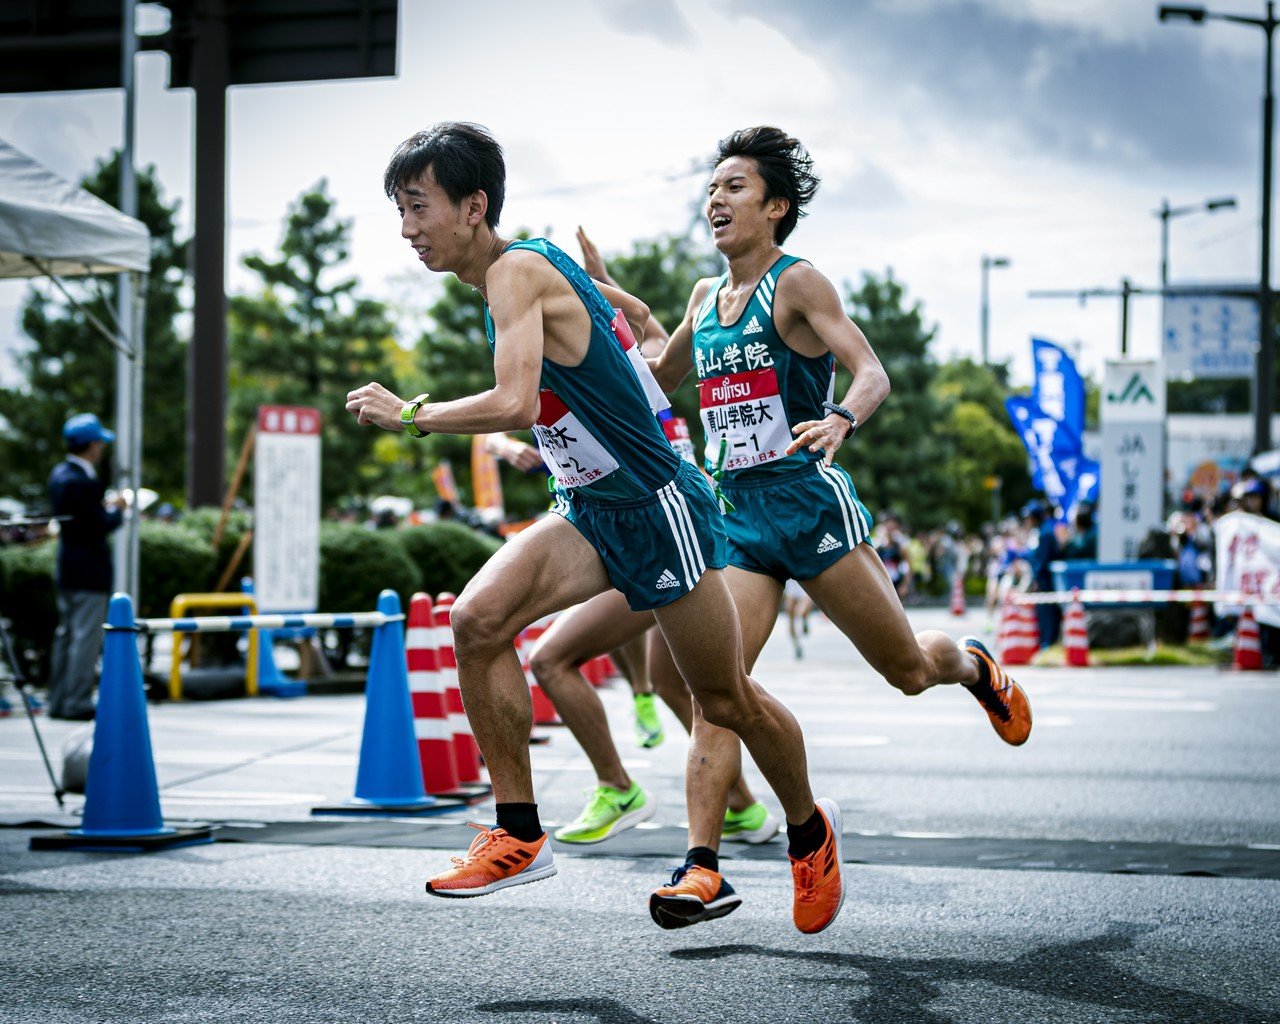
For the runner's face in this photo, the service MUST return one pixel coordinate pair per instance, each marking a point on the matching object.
(437, 228)
(737, 210)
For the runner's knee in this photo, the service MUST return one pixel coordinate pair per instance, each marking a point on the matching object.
(478, 625)
(546, 660)
(912, 681)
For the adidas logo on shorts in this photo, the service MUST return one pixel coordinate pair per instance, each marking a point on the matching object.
(667, 580)
(753, 326)
(829, 543)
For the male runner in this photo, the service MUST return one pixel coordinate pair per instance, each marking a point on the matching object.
(764, 338)
(634, 516)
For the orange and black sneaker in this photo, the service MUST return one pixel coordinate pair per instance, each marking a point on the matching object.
(494, 861)
(818, 885)
(1005, 703)
(695, 894)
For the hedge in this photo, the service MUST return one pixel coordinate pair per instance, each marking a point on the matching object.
(357, 564)
(447, 554)
(28, 599)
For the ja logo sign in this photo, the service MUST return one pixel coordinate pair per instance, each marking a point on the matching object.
(1134, 392)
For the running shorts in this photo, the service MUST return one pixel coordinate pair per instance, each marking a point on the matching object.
(796, 524)
(656, 548)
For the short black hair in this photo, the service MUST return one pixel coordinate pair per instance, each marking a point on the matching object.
(462, 157)
(783, 163)
(77, 447)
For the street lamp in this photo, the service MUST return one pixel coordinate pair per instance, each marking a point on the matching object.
(987, 263)
(1264, 374)
(1167, 212)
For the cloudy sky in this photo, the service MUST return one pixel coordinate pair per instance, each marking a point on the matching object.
(1045, 131)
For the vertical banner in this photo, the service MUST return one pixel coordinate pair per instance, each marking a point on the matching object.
(442, 477)
(1132, 490)
(286, 509)
(1058, 388)
(485, 482)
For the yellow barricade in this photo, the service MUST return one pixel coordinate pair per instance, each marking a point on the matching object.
(178, 609)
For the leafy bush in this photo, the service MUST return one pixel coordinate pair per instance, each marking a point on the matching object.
(357, 564)
(447, 554)
(172, 560)
(28, 599)
(203, 522)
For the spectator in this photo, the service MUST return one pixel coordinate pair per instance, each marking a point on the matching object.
(1084, 539)
(84, 566)
(1044, 550)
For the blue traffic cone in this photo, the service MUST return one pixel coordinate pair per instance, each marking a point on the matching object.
(122, 798)
(271, 681)
(389, 776)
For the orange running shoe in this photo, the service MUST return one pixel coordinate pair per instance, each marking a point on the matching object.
(1003, 699)
(819, 888)
(494, 861)
(695, 894)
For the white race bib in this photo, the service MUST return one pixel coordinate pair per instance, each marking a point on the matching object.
(677, 430)
(745, 409)
(574, 456)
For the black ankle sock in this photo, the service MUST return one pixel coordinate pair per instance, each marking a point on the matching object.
(520, 821)
(805, 839)
(703, 857)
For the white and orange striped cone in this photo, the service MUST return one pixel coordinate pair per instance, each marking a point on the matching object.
(1248, 654)
(466, 754)
(957, 592)
(544, 712)
(1019, 638)
(1198, 625)
(426, 690)
(1075, 634)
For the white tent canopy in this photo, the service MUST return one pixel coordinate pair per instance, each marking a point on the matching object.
(49, 226)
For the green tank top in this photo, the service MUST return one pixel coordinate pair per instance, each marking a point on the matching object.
(752, 387)
(596, 429)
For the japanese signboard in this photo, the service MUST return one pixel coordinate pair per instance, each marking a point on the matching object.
(1207, 336)
(1132, 491)
(1249, 562)
(286, 509)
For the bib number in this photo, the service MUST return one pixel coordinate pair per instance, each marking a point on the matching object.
(746, 410)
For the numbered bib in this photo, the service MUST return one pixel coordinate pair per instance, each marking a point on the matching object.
(653, 392)
(746, 410)
(677, 430)
(574, 456)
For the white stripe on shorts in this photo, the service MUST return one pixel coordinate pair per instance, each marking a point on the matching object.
(854, 526)
(681, 522)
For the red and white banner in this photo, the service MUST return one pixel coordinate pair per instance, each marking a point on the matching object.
(1249, 561)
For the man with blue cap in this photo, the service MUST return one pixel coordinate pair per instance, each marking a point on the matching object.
(84, 565)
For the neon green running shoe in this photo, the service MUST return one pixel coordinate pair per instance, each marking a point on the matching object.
(607, 813)
(649, 732)
(752, 825)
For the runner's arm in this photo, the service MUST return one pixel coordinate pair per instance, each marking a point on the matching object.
(655, 335)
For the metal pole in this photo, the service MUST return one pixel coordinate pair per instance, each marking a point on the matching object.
(986, 268)
(1125, 289)
(1264, 378)
(128, 450)
(1164, 243)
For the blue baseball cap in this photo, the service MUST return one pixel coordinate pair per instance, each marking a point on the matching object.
(84, 428)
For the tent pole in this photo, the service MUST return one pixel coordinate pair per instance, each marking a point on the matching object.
(128, 364)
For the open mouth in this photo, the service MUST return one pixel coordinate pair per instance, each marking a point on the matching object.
(720, 220)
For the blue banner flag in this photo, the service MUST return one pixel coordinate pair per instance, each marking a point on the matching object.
(1058, 388)
(1059, 467)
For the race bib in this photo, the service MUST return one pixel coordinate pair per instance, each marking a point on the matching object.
(574, 456)
(746, 410)
(677, 430)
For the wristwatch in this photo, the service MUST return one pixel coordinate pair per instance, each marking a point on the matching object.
(408, 411)
(840, 410)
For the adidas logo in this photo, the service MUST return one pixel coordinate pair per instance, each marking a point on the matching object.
(829, 543)
(667, 580)
(753, 326)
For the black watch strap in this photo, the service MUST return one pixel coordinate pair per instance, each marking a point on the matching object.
(840, 410)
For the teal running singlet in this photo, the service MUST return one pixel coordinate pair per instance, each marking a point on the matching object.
(596, 428)
(753, 387)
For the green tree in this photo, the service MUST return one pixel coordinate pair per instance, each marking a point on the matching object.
(70, 367)
(304, 339)
(901, 459)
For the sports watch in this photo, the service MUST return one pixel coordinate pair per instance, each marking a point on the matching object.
(408, 411)
(840, 410)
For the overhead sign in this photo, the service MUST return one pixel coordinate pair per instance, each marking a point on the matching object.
(1132, 490)
(1209, 336)
(286, 509)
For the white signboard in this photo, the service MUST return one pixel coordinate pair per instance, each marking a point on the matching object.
(286, 509)
(1249, 562)
(1131, 496)
(1209, 336)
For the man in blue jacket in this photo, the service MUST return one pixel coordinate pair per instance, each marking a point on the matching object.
(84, 566)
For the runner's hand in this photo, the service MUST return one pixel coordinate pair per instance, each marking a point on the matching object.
(374, 404)
(826, 434)
(592, 261)
(523, 456)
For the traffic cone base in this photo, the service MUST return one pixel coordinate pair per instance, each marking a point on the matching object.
(77, 839)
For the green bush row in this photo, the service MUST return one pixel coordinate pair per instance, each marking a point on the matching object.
(178, 558)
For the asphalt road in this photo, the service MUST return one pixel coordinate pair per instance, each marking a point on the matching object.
(1121, 867)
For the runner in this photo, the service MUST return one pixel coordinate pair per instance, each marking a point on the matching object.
(764, 338)
(799, 606)
(633, 516)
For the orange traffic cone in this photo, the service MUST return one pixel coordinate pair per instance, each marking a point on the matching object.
(1075, 634)
(1019, 638)
(430, 715)
(1198, 626)
(544, 712)
(957, 592)
(466, 754)
(1248, 655)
